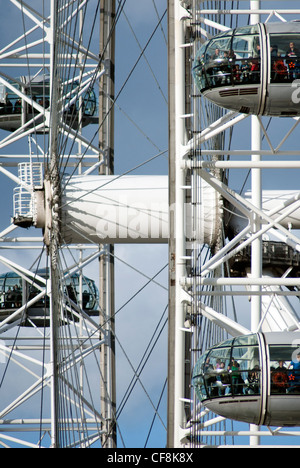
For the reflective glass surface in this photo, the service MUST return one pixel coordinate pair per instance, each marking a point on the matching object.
(285, 57)
(11, 103)
(231, 369)
(11, 292)
(228, 60)
(234, 58)
(285, 369)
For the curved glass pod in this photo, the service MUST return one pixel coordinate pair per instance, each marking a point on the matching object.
(16, 292)
(253, 378)
(14, 110)
(252, 69)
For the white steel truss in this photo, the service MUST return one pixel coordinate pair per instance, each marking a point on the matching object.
(35, 53)
(199, 283)
(73, 344)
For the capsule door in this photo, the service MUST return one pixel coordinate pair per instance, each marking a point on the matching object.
(283, 372)
(283, 92)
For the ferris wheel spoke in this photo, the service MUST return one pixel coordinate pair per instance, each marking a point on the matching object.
(7, 230)
(13, 318)
(80, 331)
(25, 273)
(233, 328)
(28, 11)
(21, 134)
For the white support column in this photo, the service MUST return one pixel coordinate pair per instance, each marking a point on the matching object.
(256, 246)
(106, 262)
(256, 252)
(54, 276)
(176, 413)
(179, 419)
(256, 197)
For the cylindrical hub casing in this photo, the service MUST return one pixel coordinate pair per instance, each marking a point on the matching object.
(132, 209)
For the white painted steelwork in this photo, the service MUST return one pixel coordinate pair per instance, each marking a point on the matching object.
(126, 209)
(250, 218)
(114, 209)
(46, 48)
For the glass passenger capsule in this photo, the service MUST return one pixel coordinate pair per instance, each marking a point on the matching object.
(252, 378)
(252, 69)
(15, 111)
(15, 292)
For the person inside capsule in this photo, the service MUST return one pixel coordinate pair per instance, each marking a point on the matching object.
(292, 55)
(234, 368)
(285, 379)
(229, 370)
(294, 376)
(228, 60)
(279, 378)
(234, 58)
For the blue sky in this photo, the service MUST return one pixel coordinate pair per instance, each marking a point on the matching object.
(145, 104)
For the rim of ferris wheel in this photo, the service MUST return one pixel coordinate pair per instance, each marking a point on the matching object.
(59, 124)
(252, 69)
(252, 378)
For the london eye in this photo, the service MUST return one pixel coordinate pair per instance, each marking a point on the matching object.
(149, 279)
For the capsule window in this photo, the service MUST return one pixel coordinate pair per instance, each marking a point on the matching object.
(246, 340)
(250, 29)
(2, 93)
(229, 371)
(228, 60)
(89, 293)
(11, 296)
(198, 378)
(8, 102)
(198, 67)
(285, 57)
(217, 67)
(218, 47)
(216, 374)
(246, 47)
(245, 67)
(285, 369)
(245, 370)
